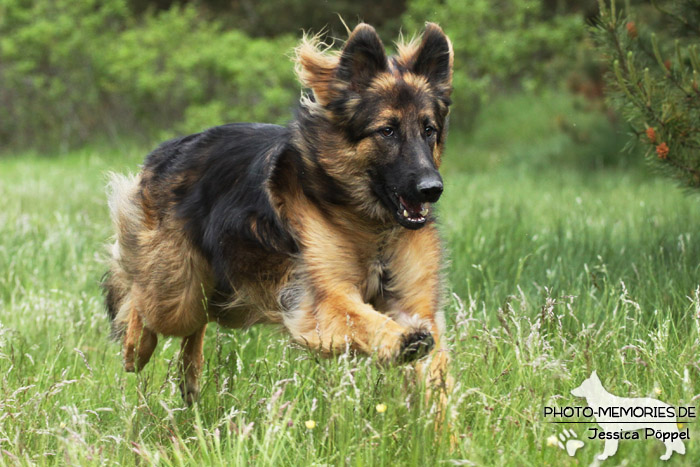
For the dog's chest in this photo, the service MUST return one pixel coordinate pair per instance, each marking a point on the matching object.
(377, 266)
(375, 284)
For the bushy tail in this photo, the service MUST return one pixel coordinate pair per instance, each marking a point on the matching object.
(127, 220)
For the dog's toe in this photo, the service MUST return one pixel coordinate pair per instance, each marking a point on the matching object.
(416, 345)
(189, 393)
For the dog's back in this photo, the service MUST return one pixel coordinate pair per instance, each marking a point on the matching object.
(199, 201)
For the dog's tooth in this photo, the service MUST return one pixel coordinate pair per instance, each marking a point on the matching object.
(405, 213)
(424, 210)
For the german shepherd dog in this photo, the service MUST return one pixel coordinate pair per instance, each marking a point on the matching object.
(324, 226)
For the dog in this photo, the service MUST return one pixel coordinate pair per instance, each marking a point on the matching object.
(605, 405)
(325, 226)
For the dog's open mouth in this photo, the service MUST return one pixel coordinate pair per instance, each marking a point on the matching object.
(411, 215)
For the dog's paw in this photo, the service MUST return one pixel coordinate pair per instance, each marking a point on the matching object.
(415, 345)
(189, 392)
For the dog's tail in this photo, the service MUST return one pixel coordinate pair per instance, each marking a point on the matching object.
(128, 221)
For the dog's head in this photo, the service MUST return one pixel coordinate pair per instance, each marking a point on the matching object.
(384, 119)
(590, 386)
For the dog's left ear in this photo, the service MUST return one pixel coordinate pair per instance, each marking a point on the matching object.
(362, 58)
(434, 59)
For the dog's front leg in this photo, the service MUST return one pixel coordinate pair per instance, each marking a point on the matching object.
(336, 319)
(415, 263)
(333, 316)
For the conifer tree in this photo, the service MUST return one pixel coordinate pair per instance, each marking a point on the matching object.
(653, 79)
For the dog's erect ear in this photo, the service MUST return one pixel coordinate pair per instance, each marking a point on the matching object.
(362, 58)
(434, 59)
(594, 376)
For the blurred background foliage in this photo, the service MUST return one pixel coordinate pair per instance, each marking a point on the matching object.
(502, 46)
(77, 72)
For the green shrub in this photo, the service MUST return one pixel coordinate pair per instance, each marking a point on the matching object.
(73, 71)
(79, 71)
(49, 78)
(501, 45)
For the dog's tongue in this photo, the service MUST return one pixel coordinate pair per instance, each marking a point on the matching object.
(413, 209)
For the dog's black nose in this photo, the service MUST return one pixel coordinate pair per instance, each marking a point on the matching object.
(430, 188)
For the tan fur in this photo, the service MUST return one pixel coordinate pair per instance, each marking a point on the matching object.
(163, 279)
(315, 67)
(418, 285)
(191, 364)
(340, 263)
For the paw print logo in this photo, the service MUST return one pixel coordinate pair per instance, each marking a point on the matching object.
(566, 440)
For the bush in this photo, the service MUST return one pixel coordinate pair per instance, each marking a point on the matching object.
(194, 73)
(73, 71)
(501, 45)
(79, 71)
(49, 75)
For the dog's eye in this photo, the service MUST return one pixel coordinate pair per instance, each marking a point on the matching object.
(387, 132)
(429, 131)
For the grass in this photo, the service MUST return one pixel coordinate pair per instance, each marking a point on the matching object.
(557, 267)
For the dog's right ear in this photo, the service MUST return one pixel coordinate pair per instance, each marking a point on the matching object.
(362, 58)
(315, 67)
(328, 74)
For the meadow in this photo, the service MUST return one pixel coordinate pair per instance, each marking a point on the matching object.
(564, 258)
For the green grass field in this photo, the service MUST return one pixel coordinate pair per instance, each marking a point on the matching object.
(557, 267)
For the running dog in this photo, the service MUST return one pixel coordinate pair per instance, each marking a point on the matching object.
(325, 226)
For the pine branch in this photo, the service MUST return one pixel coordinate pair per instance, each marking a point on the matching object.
(653, 94)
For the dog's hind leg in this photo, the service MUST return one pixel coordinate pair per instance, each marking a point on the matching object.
(191, 362)
(139, 343)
